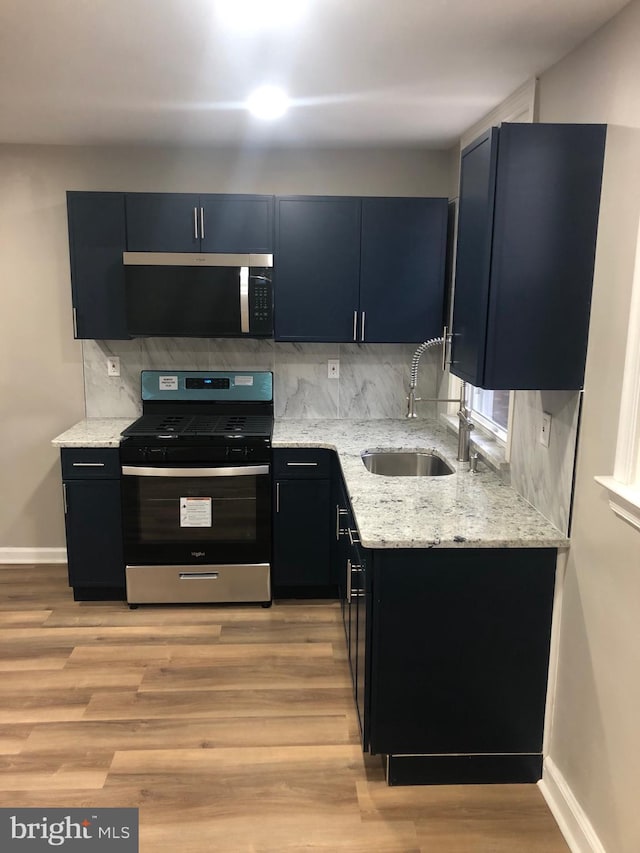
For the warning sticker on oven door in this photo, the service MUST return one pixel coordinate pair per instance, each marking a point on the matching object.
(195, 512)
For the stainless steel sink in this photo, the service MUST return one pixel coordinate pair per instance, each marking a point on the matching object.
(406, 463)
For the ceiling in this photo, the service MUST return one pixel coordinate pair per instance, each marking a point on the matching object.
(359, 72)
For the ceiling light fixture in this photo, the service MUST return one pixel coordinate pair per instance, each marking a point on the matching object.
(267, 102)
(251, 15)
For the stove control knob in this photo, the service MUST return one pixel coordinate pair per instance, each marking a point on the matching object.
(237, 451)
(155, 453)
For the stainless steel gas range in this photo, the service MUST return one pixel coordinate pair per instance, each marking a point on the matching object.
(196, 493)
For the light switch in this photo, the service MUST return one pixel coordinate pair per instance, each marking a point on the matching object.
(334, 368)
(113, 365)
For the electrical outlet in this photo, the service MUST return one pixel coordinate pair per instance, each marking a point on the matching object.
(545, 429)
(113, 366)
(333, 371)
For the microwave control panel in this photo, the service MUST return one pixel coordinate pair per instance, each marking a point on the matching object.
(261, 306)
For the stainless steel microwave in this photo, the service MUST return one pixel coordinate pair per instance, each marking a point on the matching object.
(176, 294)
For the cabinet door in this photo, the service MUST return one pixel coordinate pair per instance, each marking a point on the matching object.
(301, 543)
(547, 199)
(237, 223)
(402, 269)
(163, 222)
(528, 215)
(94, 533)
(473, 257)
(460, 651)
(96, 243)
(317, 268)
(362, 598)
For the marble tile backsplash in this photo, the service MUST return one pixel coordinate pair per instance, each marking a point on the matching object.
(373, 383)
(544, 475)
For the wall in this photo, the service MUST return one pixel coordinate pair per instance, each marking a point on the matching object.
(41, 366)
(595, 738)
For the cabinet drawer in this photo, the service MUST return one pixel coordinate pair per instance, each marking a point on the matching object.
(90, 463)
(302, 464)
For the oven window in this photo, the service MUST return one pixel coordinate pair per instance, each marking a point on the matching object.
(181, 510)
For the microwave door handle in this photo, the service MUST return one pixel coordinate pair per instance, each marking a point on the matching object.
(244, 300)
(157, 471)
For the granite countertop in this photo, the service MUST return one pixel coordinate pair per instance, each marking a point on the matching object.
(93, 432)
(459, 510)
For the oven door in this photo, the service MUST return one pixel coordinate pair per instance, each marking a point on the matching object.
(196, 515)
(197, 534)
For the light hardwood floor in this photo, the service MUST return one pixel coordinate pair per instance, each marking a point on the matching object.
(230, 728)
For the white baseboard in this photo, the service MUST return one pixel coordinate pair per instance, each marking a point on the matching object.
(33, 555)
(570, 817)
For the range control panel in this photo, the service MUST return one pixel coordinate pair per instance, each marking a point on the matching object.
(194, 385)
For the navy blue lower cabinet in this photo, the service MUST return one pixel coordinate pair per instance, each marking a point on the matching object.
(459, 653)
(93, 523)
(302, 524)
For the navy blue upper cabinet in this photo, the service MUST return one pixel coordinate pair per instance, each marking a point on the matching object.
(403, 253)
(97, 240)
(237, 223)
(317, 268)
(183, 222)
(528, 216)
(363, 270)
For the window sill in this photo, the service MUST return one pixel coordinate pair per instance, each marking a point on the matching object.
(489, 448)
(624, 500)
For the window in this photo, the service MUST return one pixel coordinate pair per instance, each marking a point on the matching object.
(624, 485)
(490, 409)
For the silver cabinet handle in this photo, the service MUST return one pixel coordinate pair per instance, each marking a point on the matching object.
(349, 581)
(198, 576)
(277, 497)
(195, 223)
(202, 223)
(355, 325)
(362, 327)
(351, 539)
(64, 498)
(157, 471)
(88, 464)
(75, 323)
(302, 464)
(446, 346)
(339, 512)
(244, 300)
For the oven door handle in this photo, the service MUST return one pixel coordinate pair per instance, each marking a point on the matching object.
(155, 471)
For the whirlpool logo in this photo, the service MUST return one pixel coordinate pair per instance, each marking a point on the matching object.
(32, 830)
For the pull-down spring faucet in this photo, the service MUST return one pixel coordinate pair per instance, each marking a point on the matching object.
(464, 421)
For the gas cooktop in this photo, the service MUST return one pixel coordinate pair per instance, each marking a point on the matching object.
(177, 425)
